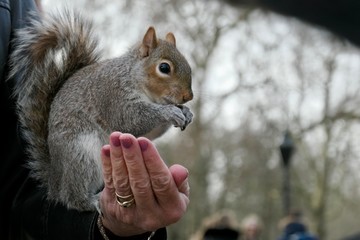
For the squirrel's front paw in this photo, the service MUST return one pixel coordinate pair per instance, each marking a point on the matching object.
(188, 116)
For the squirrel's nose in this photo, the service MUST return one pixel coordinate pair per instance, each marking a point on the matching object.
(188, 96)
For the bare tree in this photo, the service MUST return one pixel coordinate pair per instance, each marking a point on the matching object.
(286, 76)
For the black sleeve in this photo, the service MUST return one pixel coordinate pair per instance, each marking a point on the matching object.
(42, 219)
(4, 35)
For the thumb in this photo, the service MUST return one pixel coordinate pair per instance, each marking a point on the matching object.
(180, 175)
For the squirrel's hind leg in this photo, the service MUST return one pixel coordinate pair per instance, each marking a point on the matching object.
(79, 172)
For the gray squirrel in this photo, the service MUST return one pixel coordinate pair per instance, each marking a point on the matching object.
(69, 101)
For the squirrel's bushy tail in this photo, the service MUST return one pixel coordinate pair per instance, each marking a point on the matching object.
(46, 53)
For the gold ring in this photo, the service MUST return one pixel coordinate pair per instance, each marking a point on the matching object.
(125, 201)
(124, 197)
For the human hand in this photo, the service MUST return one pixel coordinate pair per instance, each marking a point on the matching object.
(134, 167)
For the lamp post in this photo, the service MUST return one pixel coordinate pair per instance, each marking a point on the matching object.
(286, 148)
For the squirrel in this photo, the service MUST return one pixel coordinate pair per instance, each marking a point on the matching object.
(69, 101)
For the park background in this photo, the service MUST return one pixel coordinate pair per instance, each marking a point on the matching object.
(256, 75)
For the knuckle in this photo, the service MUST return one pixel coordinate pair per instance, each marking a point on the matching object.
(130, 159)
(122, 185)
(142, 186)
(118, 172)
(117, 154)
(161, 183)
(108, 180)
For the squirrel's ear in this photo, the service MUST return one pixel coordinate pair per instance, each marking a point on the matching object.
(149, 42)
(171, 38)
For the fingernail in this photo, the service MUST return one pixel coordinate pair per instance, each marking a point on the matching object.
(115, 141)
(143, 145)
(106, 150)
(126, 142)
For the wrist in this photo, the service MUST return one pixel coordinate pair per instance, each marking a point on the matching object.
(126, 234)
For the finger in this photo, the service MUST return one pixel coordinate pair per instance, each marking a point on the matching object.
(107, 195)
(138, 175)
(163, 184)
(119, 171)
(106, 167)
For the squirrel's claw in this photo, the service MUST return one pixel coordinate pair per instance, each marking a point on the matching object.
(187, 114)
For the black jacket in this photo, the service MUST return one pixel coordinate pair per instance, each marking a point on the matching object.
(23, 210)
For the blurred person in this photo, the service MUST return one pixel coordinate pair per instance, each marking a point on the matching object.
(295, 215)
(293, 227)
(222, 229)
(222, 225)
(251, 227)
(26, 214)
(296, 231)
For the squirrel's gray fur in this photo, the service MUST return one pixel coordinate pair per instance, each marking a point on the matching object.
(69, 101)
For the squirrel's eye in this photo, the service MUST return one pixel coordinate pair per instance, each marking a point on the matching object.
(164, 68)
